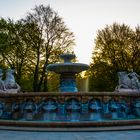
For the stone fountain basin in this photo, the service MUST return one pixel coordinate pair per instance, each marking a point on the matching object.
(84, 125)
(67, 67)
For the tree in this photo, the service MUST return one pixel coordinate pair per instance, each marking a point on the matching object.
(30, 44)
(50, 37)
(13, 51)
(117, 49)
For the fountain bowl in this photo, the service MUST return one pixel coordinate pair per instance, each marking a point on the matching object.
(67, 67)
(67, 71)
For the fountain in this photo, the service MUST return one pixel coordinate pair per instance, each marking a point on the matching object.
(67, 71)
(66, 109)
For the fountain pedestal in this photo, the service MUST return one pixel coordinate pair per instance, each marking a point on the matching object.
(67, 71)
(68, 82)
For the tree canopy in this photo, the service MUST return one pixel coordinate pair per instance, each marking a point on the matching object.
(117, 48)
(30, 44)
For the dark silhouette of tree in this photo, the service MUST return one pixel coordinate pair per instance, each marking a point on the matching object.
(52, 38)
(13, 51)
(30, 44)
(117, 49)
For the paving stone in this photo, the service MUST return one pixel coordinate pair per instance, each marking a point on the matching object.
(107, 135)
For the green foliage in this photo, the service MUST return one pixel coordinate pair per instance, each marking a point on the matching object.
(51, 39)
(102, 77)
(30, 44)
(117, 49)
(13, 51)
(53, 82)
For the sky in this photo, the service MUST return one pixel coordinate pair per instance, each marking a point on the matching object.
(83, 17)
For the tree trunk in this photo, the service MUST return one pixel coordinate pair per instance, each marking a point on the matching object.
(45, 87)
(42, 77)
(36, 74)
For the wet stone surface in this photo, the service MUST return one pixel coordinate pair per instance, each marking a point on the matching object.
(107, 135)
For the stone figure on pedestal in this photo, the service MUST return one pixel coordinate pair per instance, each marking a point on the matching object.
(135, 83)
(128, 82)
(2, 86)
(9, 85)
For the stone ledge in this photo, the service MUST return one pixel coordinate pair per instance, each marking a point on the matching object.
(71, 129)
(70, 124)
(31, 94)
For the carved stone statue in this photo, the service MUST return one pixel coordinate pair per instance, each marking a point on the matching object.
(135, 83)
(124, 80)
(9, 85)
(128, 82)
(2, 86)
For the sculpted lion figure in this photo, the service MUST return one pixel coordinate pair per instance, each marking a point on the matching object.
(10, 82)
(128, 81)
